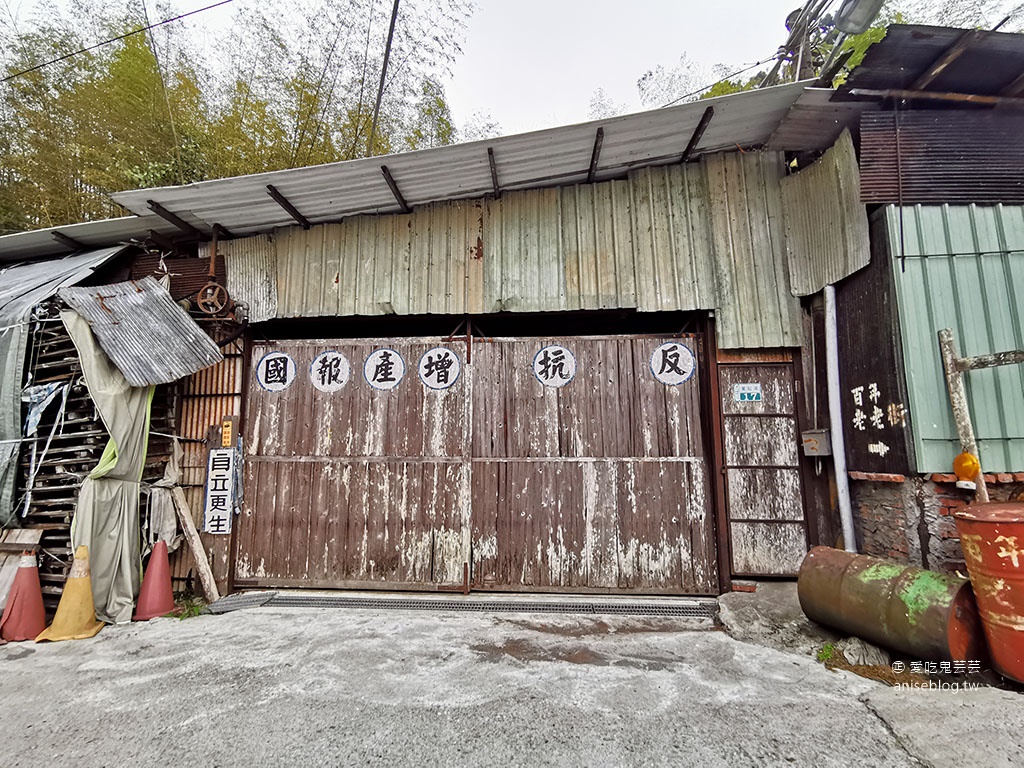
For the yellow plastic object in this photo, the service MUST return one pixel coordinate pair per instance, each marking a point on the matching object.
(76, 612)
(966, 466)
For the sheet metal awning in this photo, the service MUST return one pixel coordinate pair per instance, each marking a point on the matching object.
(553, 157)
(785, 117)
(940, 60)
(145, 334)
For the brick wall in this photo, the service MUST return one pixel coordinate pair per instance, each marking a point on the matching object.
(910, 519)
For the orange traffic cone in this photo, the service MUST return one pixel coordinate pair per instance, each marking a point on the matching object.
(76, 612)
(24, 616)
(155, 597)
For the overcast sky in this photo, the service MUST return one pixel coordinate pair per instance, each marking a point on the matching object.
(536, 63)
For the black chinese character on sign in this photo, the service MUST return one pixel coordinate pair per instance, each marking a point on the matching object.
(275, 370)
(220, 462)
(218, 502)
(217, 525)
(329, 371)
(439, 367)
(385, 369)
(670, 361)
(552, 364)
(219, 484)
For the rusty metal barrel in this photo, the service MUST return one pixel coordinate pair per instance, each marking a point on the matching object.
(928, 616)
(992, 538)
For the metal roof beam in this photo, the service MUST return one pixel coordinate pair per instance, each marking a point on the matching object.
(70, 242)
(698, 133)
(595, 155)
(1016, 88)
(172, 218)
(951, 54)
(287, 205)
(494, 173)
(223, 231)
(963, 98)
(164, 242)
(394, 189)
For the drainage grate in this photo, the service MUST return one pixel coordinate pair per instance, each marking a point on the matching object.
(696, 609)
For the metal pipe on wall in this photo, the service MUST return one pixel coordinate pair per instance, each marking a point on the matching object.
(835, 413)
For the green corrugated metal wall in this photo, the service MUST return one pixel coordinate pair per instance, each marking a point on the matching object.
(962, 267)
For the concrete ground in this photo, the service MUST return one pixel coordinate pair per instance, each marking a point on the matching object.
(286, 686)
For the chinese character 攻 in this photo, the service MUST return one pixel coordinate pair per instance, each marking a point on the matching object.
(439, 367)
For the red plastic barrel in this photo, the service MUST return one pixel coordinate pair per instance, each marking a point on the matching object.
(992, 538)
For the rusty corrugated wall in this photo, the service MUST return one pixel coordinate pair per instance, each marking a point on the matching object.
(707, 235)
(209, 396)
(251, 270)
(826, 224)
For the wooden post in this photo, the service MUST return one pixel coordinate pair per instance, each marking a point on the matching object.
(188, 527)
(958, 401)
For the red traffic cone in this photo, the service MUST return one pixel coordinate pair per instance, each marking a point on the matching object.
(155, 597)
(24, 616)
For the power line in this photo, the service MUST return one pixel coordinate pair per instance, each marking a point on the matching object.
(383, 74)
(112, 40)
(721, 79)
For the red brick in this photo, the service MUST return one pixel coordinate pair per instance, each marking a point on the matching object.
(1018, 477)
(878, 477)
(744, 588)
(949, 534)
(990, 478)
(1004, 477)
(937, 478)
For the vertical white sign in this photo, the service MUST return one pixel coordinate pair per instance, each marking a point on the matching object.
(220, 491)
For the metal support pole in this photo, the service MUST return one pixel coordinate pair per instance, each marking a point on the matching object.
(835, 417)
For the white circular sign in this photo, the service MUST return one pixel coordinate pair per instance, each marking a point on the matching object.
(439, 368)
(330, 371)
(554, 366)
(383, 369)
(672, 363)
(275, 371)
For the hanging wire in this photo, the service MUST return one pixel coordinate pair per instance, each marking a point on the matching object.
(112, 40)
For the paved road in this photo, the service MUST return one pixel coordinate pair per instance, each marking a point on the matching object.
(301, 686)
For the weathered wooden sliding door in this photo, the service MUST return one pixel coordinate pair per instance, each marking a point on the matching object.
(573, 464)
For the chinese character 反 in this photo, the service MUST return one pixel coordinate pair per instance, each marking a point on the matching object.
(670, 361)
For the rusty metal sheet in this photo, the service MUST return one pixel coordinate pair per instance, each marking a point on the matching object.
(145, 334)
(826, 224)
(249, 267)
(941, 157)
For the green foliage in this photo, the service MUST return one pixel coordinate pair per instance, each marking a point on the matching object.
(189, 606)
(827, 652)
(725, 87)
(293, 84)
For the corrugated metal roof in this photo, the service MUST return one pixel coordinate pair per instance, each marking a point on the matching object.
(40, 243)
(22, 287)
(814, 122)
(990, 63)
(552, 157)
(826, 225)
(145, 334)
(964, 270)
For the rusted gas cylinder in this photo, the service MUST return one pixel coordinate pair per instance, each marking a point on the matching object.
(992, 538)
(926, 615)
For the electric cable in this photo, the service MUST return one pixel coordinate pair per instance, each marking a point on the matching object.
(112, 40)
